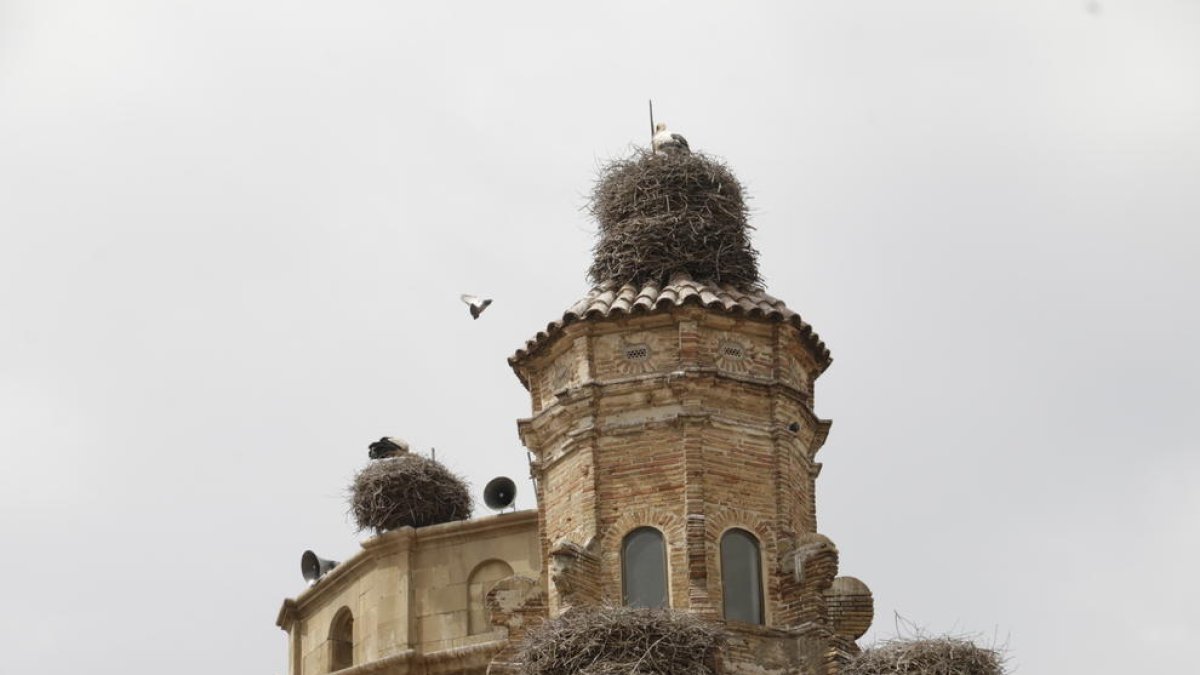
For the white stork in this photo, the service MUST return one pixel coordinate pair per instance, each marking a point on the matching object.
(388, 446)
(667, 142)
(476, 304)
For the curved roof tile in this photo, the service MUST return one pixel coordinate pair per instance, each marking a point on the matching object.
(608, 300)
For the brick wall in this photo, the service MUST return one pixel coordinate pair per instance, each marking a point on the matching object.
(677, 420)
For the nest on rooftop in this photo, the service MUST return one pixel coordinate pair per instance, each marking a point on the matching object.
(927, 656)
(666, 213)
(407, 490)
(621, 640)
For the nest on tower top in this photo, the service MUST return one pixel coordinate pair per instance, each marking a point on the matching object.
(666, 213)
(621, 640)
(927, 656)
(407, 489)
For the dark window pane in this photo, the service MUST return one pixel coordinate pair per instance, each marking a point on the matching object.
(741, 575)
(644, 568)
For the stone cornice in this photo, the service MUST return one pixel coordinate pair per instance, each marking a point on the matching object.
(453, 660)
(287, 614)
(533, 430)
(459, 659)
(477, 526)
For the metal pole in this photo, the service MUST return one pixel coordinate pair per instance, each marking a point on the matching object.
(652, 148)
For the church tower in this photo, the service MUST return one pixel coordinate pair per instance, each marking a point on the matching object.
(673, 431)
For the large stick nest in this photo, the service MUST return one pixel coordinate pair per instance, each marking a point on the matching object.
(622, 641)
(927, 656)
(659, 214)
(407, 490)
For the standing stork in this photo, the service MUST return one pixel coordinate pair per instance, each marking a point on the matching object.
(668, 142)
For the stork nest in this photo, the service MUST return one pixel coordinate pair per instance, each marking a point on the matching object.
(622, 641)
(666, 213)
(927, 656)
(407, 490)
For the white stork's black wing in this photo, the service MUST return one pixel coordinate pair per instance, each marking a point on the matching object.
(681, 141)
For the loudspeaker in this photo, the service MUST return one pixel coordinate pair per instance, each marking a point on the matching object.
(313, 567)
(499, 493)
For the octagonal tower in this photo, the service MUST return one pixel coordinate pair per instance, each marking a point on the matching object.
(673, 434)
(688, 408)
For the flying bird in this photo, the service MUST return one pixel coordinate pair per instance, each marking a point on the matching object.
(476, 304)
(668, 142)
(388, 446)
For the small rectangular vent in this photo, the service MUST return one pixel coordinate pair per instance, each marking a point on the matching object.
(637, 353)
(732, 350)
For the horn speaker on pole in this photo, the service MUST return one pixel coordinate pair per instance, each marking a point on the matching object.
(499, 493)
(314, 567)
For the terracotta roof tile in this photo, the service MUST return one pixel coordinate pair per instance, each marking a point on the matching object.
(607, 300)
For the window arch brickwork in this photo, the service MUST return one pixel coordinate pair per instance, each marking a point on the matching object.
(671, 526)
(725, 519)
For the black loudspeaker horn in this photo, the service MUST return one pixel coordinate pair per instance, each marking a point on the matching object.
(500, 493)
(313, 567)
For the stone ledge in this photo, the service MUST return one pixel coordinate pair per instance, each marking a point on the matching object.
(456, 659)
(396, 541)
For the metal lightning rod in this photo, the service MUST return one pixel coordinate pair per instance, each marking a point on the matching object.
(652, 125)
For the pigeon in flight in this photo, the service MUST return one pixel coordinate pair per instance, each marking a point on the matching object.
(476, 304)
(667, 142)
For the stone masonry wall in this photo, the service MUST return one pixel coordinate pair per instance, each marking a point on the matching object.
(410, 593)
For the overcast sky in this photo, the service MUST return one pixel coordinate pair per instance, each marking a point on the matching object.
(233, 236)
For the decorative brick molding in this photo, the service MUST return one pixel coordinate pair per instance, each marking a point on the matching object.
(721, 518)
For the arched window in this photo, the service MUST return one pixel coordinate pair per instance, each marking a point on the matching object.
(478, 584)
(341, 640)
(741, 577)
(644, 568)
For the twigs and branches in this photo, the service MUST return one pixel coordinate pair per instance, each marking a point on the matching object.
(915, 652)
(622, 641)
(407, 489)
(665, 213)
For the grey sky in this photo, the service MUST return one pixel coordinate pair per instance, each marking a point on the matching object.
(233, 236)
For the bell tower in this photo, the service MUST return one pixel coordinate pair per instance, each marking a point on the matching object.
(673, 431)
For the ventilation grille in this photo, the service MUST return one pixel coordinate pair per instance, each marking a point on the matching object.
(637, 353)
(733, 350)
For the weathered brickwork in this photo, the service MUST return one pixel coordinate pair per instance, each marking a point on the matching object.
(517, 606)
(692, 422)
(851, 607)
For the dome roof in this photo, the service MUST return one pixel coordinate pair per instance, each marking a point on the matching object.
(608, 300)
